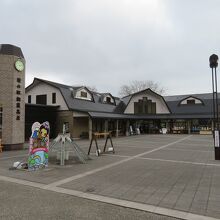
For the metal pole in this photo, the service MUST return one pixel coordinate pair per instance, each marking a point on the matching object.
(216, 88)
(213, 63)
(62, 153)
(213, 99)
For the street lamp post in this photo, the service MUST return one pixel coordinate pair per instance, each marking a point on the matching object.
(213, 61)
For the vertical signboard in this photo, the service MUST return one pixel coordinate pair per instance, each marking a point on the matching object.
(216, 138)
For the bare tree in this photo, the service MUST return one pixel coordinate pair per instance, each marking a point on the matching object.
(92, 88)
(136, 86)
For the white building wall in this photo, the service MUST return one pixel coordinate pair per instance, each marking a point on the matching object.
(197, 101)
(45, 89)
(108, 96)
(161, 107)
(79, 114)
(78, 95)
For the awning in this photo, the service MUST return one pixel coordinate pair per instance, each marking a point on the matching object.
(105, 115)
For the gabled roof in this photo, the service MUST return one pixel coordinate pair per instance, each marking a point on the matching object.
(75, 103)
(142, 91)
(54, 84)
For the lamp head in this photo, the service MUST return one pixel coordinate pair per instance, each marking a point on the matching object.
(213, 61)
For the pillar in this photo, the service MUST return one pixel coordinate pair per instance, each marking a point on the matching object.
(116, 134)
(213, 125)
(189, 127)
(127, 128)
(90, 128)
(106, 126)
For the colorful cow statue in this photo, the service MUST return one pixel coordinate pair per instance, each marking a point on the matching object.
(39, 146)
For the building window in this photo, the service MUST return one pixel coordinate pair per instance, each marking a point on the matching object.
(54, 98)
(18, 86)
(18, 117)
(19, 80)
(18, 105)
(29, 99)
(191, 102)
(83, 94)
(18, 99)
(144, 106)
(18, 92)
(108, 99)
(41, 99)
(18, 111)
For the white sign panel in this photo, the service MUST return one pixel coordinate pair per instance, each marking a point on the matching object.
(216, 138)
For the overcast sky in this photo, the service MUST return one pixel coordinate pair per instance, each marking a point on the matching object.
(107, 43)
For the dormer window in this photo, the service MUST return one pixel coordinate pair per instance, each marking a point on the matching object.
(108, 99)
(191, 101)
(83, 94)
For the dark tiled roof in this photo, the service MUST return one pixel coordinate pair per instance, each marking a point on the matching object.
(190, 109)
(84, 105)
(201, 96)
(78, 104)
(57, 85)
(178, 111)
(174, 104)
(9, 49)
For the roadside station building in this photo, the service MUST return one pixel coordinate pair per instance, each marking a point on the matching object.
(83, 111)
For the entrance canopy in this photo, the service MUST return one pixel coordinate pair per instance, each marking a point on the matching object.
(149, 116)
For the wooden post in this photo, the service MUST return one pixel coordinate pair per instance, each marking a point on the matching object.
(94, 138)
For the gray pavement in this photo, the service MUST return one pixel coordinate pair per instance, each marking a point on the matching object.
(23, 202)
(170, 175)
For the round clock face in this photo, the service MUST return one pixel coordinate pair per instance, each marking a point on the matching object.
(19, 65)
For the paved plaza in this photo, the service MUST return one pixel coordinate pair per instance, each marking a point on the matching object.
(148, 177)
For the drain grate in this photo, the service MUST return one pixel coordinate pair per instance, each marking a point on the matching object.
(91, 189)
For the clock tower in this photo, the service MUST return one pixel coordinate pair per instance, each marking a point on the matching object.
(12, 92)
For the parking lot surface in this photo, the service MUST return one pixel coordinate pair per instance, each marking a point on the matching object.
(148, 177)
